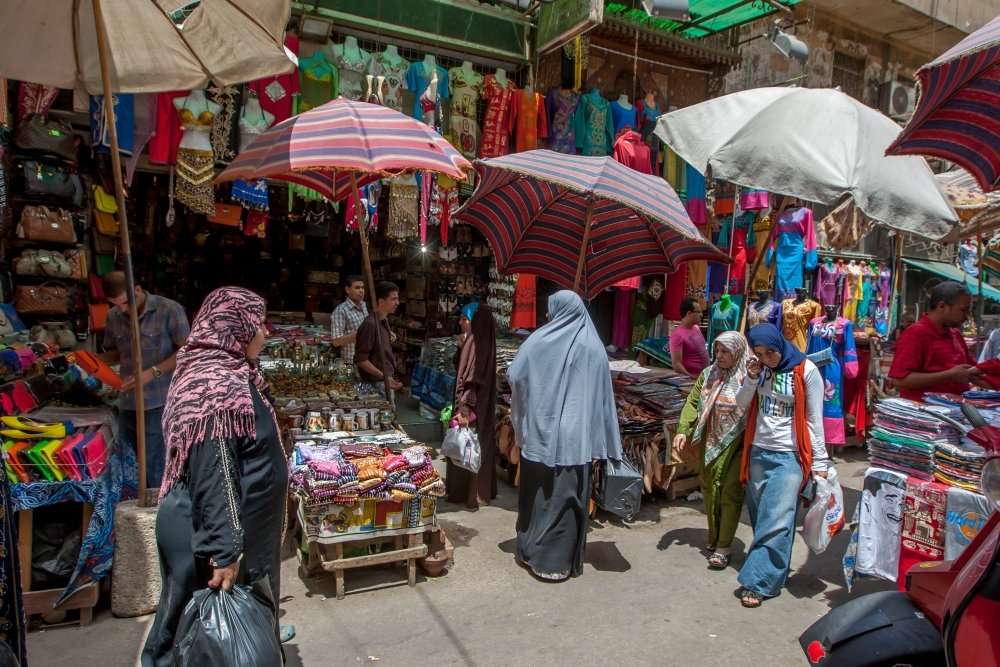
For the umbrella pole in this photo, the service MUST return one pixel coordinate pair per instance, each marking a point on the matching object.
(109, 110)
(761, 253)
(583, 246)
(732, 239)
(897, 278)
(356, 192)
(980, 307)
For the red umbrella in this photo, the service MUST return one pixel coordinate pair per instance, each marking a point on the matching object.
(958, 112)
(582, 222)
(341, 145)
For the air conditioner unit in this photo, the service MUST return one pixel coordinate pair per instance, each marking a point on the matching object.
(897, 99)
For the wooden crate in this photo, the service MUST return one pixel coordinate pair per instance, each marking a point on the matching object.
(409, 545)
(41, 602)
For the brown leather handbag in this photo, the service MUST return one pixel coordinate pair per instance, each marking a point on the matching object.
(44, 299)
(41, 223)
(226, 214)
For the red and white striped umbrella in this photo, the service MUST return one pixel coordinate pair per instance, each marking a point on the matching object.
(582, 222)
(323, 147)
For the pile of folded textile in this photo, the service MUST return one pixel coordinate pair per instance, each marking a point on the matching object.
(905, 436)
(347, 471)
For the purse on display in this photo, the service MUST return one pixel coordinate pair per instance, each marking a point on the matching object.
(95, 455)
(96, 288)
(98, 313)
(105, 201)
(77, 260)
(45, 299)
(38, 134)
(45, 263)
(103, 264)
(46, 180)
(106, 223)
(296, 241)
(9, 314)
(41, 223)
(93, 365)
(227, 215)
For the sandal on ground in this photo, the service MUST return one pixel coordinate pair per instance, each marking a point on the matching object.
(751, 599)
(551, 576)
(286, 633)
(719, 561)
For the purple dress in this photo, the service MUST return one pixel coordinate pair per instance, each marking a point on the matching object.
(561, 111)
(826, 285)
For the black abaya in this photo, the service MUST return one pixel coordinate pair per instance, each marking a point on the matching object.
(552, 517)
(230, 501)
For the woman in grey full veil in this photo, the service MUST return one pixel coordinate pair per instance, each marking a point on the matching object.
(564, 417)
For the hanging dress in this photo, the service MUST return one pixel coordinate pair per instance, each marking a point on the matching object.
(743, 249)
(527, 121)
(252, 195)
(826, 284)
(417, 80)
(318, 81)
(795, 319)
(278, 95)
(560, 107)
(496, 125)
(394, 79)
(794, 249)
(722, 319)
(623, 118)
(852, 291)
(196, 168)
(884, 298)
(465, 95)
(595, 131)
(838, 337)
(862, 321)
(769, 313)
(764, 278)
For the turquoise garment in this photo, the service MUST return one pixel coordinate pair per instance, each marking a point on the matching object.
(595, 130)
(722, 320)
(861, 319)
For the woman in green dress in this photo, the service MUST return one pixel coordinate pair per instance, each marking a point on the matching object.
(712, 419)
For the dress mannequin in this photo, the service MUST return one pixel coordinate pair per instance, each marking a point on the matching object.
(466, 86)
(391, 67)
(560, 115)
(428, 99)
(595, 130)
(195, 157)
(623, 115)
(647, 111)
(319, 80)
(835, 334)
(796, 315)
(764, 309)
(418, 78)
(826, 283)
(528, 121)
(353, 63)
(253, 122)
(725, 316)
(499, 90)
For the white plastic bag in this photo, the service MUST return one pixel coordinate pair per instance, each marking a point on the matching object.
(825, 517)
(461, 445)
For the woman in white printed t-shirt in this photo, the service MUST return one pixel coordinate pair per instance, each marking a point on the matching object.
(784, 447)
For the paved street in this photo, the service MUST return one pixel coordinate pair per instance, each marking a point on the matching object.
(645, 598)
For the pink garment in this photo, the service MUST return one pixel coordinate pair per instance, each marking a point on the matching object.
(691, 344)
(632, 152)
(628, 283)
(167, 133)
(621, 333)
(754, 200)
(35, 98)
(277, 93)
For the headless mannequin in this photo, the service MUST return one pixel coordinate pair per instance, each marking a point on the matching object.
(391, 55)
(829, 263)
(623, 102)
(595, 94)
(430, 63)
(351, 52)
(763, 298)
(650, 100)
(430, 94)
(501, 76)
(196, 103)
(252, 115)
(725, 302)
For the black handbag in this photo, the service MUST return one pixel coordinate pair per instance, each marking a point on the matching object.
(47, 136)
(48, 181)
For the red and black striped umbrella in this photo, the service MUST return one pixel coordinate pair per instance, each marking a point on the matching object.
(324, 147)
(958, 111)
(582, 222)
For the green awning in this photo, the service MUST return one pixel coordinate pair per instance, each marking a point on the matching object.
(952, 272)
(708, 17)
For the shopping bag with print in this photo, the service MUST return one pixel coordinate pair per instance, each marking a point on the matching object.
(825, 517)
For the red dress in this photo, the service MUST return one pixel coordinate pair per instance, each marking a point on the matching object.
(496, 126)
(277, 93)
(527, 120)
(632, 152)
(167, 137)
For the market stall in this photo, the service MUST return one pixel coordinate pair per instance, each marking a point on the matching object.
(922, 499)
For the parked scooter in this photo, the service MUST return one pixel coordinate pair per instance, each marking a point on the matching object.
(949, 613)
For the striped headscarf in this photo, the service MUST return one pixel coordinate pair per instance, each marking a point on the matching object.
(723, 384)
(213, 376)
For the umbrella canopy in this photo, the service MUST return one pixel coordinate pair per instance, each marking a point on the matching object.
(547, 213)
(153, 45)
(956, 117)
(325, 147)
(817, 145)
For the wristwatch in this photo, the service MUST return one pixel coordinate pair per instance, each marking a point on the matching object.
(157, 373)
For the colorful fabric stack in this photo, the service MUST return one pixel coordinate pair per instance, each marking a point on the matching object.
(905, 437)
(347, 471)
(959, 465)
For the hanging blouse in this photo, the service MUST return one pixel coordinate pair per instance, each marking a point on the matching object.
(417, 80)
(594, 126)
(769, 313)
(124, 106)
(394, 75)
(624, 117)
(647, 116)
(35, 98)
(496, 125)
(560, 108)
(318, 81)
(465, 93)
(226, 128)
(167, 134)
(527, 120)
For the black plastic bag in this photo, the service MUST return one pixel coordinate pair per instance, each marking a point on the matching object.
(620, 489)
(229, 629)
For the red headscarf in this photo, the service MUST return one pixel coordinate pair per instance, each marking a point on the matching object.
(213, 376)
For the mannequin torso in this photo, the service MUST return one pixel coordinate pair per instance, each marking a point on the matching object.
(353, 64)
(391, 67)
(465, 85)
(196, 114)
(253, 121)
